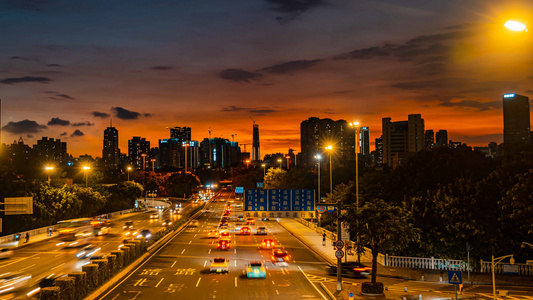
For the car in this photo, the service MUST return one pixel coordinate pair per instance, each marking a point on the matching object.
(167, 223)
(213, 233)
(154, 216)
(225, 218)
(5, 253)
(265, 219)
(223, 245)
(12, 281)
(240, 218)
(224, 235)
(238, 226)
(101, 231)
(98, 256)
(256, 269)
(128, 225)
(219, 265)
(261, 230)
(268, 244)
(227, 213)
(245, 231)
(350, 269)
(207, 210)
(87, 251)
(280, 257)
(250, 221)
(194, 223)
(146, 233)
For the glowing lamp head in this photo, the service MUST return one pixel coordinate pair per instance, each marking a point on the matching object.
(329, 147)
(515, 26)
(86, 168)
(354, 124)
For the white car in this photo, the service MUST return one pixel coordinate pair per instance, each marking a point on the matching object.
(12, 281)
(5, 253)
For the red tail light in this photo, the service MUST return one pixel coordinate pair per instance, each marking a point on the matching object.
(361, 269)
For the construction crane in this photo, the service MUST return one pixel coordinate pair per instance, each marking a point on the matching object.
(209, 130)
(244, 146)
(232, 136)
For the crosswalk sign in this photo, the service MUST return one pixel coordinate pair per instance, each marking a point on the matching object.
(455, 277)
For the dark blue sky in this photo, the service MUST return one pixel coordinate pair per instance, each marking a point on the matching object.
(68, 67)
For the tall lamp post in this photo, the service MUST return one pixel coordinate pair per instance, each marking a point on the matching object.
(48, 170)
(355, 125)
(498, 260)
(280, 161)
(86, 170)
(144, 158)
(339, 259)
(129, 170)
(318, 158)
(264, 171)
(152, 160)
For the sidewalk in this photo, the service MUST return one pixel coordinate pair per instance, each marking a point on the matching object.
(313, 240)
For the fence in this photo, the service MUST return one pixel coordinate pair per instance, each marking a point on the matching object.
(500, 268)
(44, 230)
(425, 263)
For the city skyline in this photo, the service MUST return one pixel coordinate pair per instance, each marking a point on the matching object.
(68, 68)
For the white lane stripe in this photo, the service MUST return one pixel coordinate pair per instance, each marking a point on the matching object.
(235, 281)
(173, 264)
(205, 263)
(57, 266)
(183, 251)
(323, 297)
(209, 252)
(190, 242)
(159, 282)
(198, 281)
(27, 267)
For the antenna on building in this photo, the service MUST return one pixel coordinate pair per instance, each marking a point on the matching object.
(110, 122)
(209, 130)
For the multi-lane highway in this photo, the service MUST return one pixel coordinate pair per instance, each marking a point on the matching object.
(46, 257)
(180, 269)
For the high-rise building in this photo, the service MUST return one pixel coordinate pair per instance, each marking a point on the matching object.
(364, 141)
(429, 137)
(441, 138)
(50, 150)
(378, 154)
(170, 153)
(111, 152)
(183, 134)
(256, 153)
(516, 119)
(219, 153)
(138, 146)
(401, 138)
(317, 133)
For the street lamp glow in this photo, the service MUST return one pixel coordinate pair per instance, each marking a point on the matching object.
(515, 26)
(329, 147)
(48, 170)
(354, 124)
(318, 156)
(86, 169)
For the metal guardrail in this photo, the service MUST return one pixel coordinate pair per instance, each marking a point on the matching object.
(11, 238)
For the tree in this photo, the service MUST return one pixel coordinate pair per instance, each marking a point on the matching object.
(383, 227)
(275, 179)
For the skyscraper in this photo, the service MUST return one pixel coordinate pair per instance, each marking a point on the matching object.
(183, 134)
(111, 152)
(256, 154)
(50, 150)
(364, 141)
(516, 119)
(401, 138)
(136, 147)
(429, 136)
(316, 134)
(441, 138)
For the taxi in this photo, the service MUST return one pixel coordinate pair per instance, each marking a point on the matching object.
(194, 223)
(268, 244)
(224, 235)
(219, 265)
(261, 231)
(256, 269)
(245, 231)
(223, 245)
(213, 233)
(280, 257)
(250, 221)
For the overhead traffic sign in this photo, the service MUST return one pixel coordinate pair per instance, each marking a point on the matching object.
(239, 190)
(339, 244)
(455, 277)
(279, 203)
(339, 254)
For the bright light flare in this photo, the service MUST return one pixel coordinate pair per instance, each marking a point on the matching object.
(515, 26)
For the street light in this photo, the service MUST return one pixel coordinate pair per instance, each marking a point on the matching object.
(515, 26)
(498, 260)
(318, 157)
(355, 125)
(280, 161)
(524, 244)
(48, 170)
(339, 259)
(152, 160)
(86, 170)
(144, 158)
(247, 163)
(264, 171)
(129, 170)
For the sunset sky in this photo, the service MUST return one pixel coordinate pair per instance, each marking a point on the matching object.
(68, 67)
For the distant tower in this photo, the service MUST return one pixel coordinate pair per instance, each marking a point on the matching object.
(441, 138)
(111, 152)
(516, 120)
(255, 143)
(364, 140)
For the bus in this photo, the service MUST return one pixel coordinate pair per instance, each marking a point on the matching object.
(75, 232)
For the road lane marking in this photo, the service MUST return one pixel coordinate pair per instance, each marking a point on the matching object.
(195, 235)
(277, 292)
(235, 263)
(136, 295)
(173, 264)
(197, 283)
(235, 251)
(273, 282)
(205, 263)
(159, 282)
(235, 281)
(27, 267)
(140, 282)
(316, 288)
(182, 251)
(209, 252)
(190, 242)
(57, 266)
(58, 254)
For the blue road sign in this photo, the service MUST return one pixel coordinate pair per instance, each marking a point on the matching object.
(321, 208)
(455, 277)
(260, 185)
(331, 208)
(239, 190)
(280, 203)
